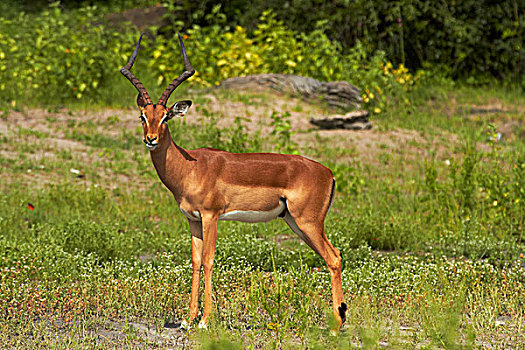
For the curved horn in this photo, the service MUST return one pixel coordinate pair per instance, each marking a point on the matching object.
(126, 71)
(177, 81)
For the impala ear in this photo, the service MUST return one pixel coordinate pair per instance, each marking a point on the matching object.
(180, 108)
(141, 102)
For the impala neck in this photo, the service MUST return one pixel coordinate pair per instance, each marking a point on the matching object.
(171, 162)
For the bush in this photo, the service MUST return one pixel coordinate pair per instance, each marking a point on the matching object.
(71, 58)
(467, 39)
(217, 53)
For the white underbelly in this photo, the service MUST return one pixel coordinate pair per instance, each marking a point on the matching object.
(242, 215)
(193, 216)
(253, 216)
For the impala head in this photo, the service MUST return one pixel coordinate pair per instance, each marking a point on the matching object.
(155, 117)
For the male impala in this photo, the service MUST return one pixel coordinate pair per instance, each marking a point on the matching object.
(211, 185)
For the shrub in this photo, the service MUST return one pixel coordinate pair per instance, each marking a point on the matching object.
(217, 53)
(468, 39)
(71, 58)
(74, 59)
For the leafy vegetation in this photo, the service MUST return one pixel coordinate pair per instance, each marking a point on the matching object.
(75, 60)
(223, 52)
(70, 57)
(472, 40)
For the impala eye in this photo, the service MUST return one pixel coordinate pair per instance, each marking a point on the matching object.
(142, 118)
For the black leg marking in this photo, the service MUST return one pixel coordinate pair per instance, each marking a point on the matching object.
(342, 311)
(331, 195)
(283, 213)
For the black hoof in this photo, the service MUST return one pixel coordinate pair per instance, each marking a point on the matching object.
(342, 311)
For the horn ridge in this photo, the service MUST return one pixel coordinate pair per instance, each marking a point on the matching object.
(126, 71)
(189, 71)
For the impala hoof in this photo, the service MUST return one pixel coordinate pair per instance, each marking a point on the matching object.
(203, 325)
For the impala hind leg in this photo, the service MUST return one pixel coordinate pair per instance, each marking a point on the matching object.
(209, 240)
(313, 234)
(196, 264)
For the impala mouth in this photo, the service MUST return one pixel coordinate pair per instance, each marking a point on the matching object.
(150, 146)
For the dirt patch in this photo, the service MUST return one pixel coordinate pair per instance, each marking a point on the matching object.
(68, 144)
(370, 147)
(511, 129)
(114, 334)
(366, 144)
(509, 122)
(256, 110)
(48, 133)
(56, 123)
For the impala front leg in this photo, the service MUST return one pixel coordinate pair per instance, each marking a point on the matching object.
(209, 239)
(196, 263)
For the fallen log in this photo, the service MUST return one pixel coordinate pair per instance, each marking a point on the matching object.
(357, 120)
(337, 94)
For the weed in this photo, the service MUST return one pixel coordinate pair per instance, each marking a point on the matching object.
(282, 132)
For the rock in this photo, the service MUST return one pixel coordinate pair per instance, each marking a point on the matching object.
(357, 120)
(338, 94)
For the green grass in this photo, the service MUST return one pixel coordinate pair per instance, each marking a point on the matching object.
(430, 230)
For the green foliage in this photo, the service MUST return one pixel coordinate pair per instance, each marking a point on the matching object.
(282, 132)
(69, 58)
(232, 139)
(218, 53)
(472, 40)
(34, 6)
(241, 141)
(76, 57)
(280, 47)
(348, 178)
(443, 320)
(73, 60)
(480, 205)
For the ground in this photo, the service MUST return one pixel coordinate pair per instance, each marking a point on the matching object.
(102, 259)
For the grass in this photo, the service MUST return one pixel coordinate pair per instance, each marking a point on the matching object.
(428, 216)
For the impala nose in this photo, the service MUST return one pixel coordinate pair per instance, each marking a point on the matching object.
(151, 142)
(150, 139)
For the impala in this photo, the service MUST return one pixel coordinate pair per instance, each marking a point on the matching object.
(211, 185)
